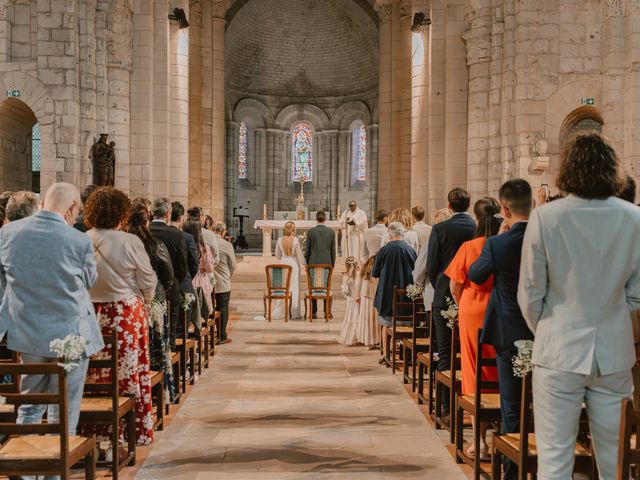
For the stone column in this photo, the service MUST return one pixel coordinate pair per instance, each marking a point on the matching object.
(632, 87)
(613, 73)
(385, 12)
(420, 69)
(219, 8)
(160, 176)
(478, 41)
(5, 32)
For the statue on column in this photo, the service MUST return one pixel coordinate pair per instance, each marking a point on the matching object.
(103, 158)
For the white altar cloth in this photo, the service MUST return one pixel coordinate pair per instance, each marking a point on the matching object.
(268, 226)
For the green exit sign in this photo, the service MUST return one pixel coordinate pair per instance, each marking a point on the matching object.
(588, 101)
(13, 93)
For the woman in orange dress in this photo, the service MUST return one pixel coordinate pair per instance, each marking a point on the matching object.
(472, 300)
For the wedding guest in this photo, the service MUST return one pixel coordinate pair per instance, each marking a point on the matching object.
(208, 223)
(4, 198)
(420, 227)
(577, 286)
(503, 322)
(420, 271)
(320, 250)
(403, 216)
(177, 247)
(446, 237)
(368, 332)
(64, 269)
(353, 223)
(289, 252)
(441, 215)
(202, 279)
(21, 205)
(393, 267)
(373, 236)
(472, 299)
(193, 262)
(223, 272)
(628, 193)
(159, 325)
(126, 281)
(84, 196)
(195, 213)
(350, 290)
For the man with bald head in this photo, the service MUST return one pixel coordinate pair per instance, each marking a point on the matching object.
(46, 295)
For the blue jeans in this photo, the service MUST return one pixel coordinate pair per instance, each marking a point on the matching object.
(49, 383)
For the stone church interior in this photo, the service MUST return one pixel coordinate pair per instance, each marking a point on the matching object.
(246, 125)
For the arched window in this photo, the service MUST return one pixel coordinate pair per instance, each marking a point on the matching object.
(243, 145)
(302, 152)
(358, 152)
(35, 158)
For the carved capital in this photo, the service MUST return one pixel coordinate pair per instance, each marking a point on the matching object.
(478, 46)
(611, 8)
(219, 8)
(629, 6)
(385, 13)
(405, 8)
(4, 9)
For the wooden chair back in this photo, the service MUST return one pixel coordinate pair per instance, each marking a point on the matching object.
(278, 280)
(482, 362)
(421, 321)
(106, 359)
(60, 399)
(628, 451)
(403, 307)
(319, 280)
(526, 421)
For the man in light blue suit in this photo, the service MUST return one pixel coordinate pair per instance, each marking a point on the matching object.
(46, 270)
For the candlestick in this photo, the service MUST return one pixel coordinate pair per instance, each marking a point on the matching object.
(264, 211)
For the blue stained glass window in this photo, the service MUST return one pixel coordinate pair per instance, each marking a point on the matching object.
(35, 148)
(359, 152)
(243, 144)
(302, 151)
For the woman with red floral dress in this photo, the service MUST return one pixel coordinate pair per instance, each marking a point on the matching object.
(126, 281)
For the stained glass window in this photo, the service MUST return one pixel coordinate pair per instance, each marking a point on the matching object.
(35, 148)
(359, 152)
(302, 151)
(243, 144)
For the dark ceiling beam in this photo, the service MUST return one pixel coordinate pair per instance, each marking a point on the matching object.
(238, 4)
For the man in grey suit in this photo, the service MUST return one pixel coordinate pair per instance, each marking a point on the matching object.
(321, 248)
(47, 295)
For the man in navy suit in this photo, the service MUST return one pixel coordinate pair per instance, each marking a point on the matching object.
(504, 323)
(444, 242)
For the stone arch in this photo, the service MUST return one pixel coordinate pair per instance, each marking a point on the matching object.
(35, 95)
(349, 112)
(575, 118)
(253, 111)
(302, 111)
(16, 125)
(561, 104)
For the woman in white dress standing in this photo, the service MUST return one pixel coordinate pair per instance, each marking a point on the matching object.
(288, 251)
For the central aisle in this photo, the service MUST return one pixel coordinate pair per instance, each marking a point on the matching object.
(285, 401)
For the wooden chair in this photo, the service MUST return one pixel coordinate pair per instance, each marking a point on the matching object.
(319, 288)
(8, 412)
(103, 405)
(217, 320)
(628, 447)
(402, 312)
(176, 367)
(520, 448)
(427, 366)
(418, 343)
(43, 448)
(449, 380)
(483, 407)
(157, 398)
(186, 346)
(278, 288)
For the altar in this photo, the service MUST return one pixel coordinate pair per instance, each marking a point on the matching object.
(268, 226)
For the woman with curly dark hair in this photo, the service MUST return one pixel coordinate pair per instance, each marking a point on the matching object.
(159, 345)
(579, 279)
(126, 281)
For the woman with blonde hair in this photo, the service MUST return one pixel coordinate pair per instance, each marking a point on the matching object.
(442, 214)
(288, 251)
(351, 291)
(368, 332)
(403, 215)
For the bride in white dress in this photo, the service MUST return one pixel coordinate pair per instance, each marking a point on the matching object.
(289, 252)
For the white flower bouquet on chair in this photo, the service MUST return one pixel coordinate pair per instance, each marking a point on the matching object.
(451, 313)
(189, 298)
(522, 364)
(70, 348)
(414, 292)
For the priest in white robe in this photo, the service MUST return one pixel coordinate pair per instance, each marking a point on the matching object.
(353, 223)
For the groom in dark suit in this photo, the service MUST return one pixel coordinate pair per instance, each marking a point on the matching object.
(503, 322)
(321, 248)
(444, 242)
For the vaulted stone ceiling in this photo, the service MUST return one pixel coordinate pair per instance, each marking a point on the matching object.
(303, 48)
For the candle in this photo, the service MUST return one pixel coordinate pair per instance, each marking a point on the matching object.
(264, 211)
(338, 212)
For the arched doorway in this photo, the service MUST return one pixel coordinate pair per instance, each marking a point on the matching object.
(581, 120)
(19, 147)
